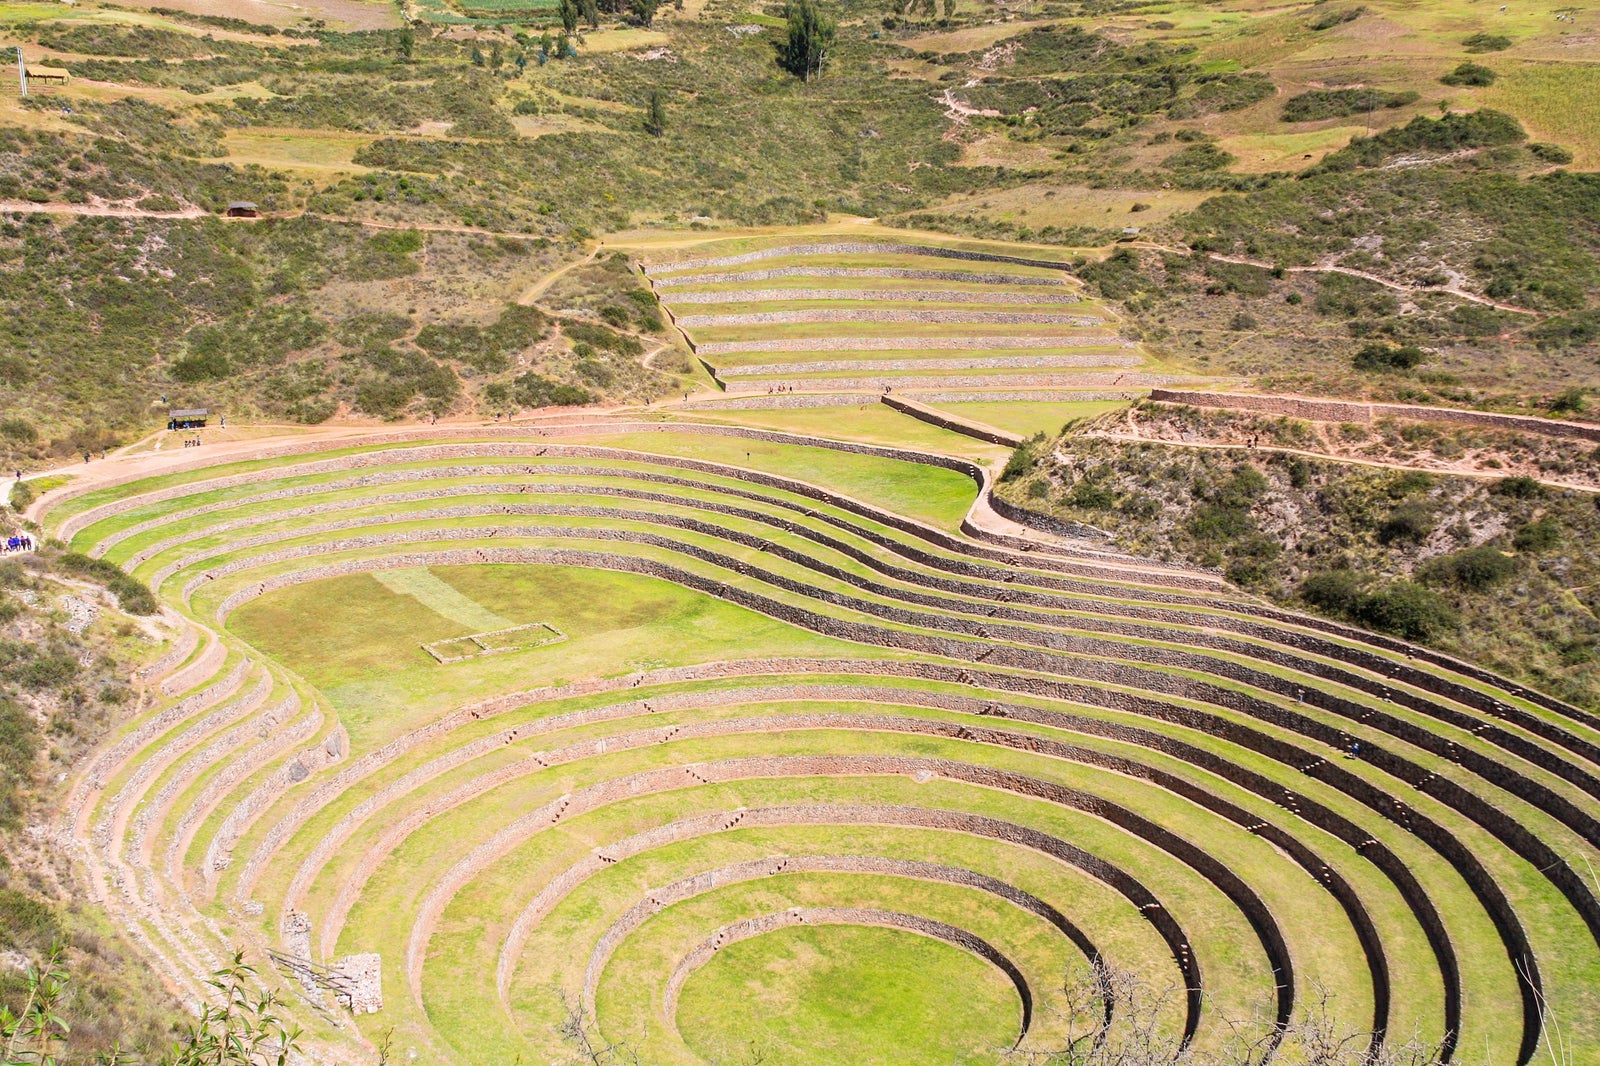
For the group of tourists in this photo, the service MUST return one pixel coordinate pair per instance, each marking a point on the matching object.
(18, 542)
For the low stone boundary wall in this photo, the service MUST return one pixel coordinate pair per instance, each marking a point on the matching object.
(1002, 362)
(915, 296)
(951, 422)
(1347, 411)
(855, 248)
(969, 276)
(912, 344)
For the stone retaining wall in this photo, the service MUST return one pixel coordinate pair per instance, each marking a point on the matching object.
(281, 727)
(1002, 362)
(854, 248)
(154, 808)
(969, 276)
(784, 401)
(945, 296)
(854, 314)
(1131, 379)
(1025, 396)
(952, 422)
(1343, 411)
(911, 344)
(198, 670)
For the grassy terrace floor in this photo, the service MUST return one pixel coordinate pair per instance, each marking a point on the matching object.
(767, 700)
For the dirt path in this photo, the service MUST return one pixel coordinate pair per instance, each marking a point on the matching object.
(1452, 290)
(540, 287)
(1329, 268)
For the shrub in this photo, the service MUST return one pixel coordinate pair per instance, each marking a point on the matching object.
(21, 496)
(1334, 591)
(1538, 536)
(1470, 74)
(1336, 103)
(19, 430)
(1474, 569)
(1569, 401)
(1550, 153)
(1518, 488)
(1410, 523)
(1386, 358)
(1092, 496)
(1198, 159)
(535, 390)
(1327, 20)
(133, 595)
(1486, 42)
(1406, 610)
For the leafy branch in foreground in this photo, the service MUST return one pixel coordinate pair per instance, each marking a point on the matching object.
(238, 1027)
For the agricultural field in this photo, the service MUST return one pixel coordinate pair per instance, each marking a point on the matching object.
(835, 321)
(789, 763)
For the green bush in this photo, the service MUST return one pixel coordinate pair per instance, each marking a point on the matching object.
(1409, 523)
(1334, 591)
(1327, 20)
(1321, 104)
(1470, 74)
(1474, 569)
(534, 390)
(133, 595)
(1518, 488)
(1092, 496)
(19, 430)
(26, 923)
(1407, 610)
(1198, 159)
(1538, 536)
(21, 496)
(1550, 153)
(1486, 42)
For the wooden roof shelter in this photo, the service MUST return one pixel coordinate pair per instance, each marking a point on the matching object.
(48, 75)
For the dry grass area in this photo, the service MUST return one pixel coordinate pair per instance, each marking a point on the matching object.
(1041, 204)
(338, 14)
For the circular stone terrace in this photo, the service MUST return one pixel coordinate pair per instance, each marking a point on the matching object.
(742, 742)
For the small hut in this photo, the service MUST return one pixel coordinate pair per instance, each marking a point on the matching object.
(187, 418)
(243, 209)
(38, 75)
